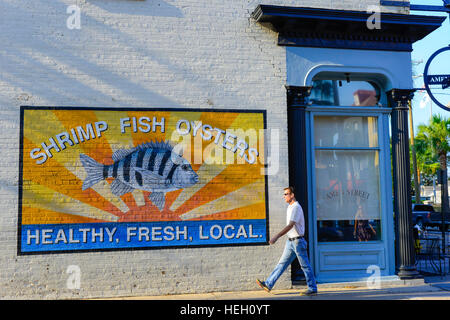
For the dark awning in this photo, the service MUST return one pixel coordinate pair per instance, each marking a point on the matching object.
(312, 27)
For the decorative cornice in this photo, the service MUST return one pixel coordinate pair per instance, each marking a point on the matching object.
(345, 41)
(313, 27)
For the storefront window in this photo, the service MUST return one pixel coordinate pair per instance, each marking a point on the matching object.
(344, 93)
(347, 178)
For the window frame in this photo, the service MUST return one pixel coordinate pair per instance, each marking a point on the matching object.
(383, 154)
(377, 149)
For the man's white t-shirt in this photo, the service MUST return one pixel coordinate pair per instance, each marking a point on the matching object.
(295, 213)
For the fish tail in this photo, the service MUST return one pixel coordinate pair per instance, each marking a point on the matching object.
(93, 169)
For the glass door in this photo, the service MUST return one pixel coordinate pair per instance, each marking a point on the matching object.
(347, 174)
(348, 202)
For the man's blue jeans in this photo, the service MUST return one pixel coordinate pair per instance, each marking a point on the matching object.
(295, 248)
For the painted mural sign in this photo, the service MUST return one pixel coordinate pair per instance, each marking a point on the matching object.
(120, 179)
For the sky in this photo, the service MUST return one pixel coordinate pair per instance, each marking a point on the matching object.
(422, 50)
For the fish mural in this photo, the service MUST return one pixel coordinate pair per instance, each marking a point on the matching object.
(152, 166)
(79, 193)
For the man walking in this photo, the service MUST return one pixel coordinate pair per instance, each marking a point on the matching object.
(295, 246)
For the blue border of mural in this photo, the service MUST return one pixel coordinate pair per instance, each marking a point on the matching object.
(132, 235)
(117, 236)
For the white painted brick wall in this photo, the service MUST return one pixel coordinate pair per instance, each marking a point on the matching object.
(190, 54)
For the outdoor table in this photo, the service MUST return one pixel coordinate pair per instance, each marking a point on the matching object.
(432, 252)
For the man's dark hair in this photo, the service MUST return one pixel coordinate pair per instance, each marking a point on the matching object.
(291, 189)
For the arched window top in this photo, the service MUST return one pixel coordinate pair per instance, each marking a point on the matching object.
(344, 91)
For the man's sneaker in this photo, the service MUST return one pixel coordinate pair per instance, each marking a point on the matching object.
(309, 292)
(262, 285)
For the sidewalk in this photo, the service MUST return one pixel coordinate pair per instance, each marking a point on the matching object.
(429, 288)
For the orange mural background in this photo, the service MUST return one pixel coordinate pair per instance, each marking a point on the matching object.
(229, 186)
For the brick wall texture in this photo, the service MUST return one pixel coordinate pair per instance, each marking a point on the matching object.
(166, 54)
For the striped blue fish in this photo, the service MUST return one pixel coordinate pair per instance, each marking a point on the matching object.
(152, 166)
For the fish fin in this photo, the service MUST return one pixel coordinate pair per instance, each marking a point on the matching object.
(151, 178)
(94, 171)
(158, 199)
(121, 153)
(119, 188)
(162, 145)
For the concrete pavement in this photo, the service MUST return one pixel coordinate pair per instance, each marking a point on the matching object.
(429, 288)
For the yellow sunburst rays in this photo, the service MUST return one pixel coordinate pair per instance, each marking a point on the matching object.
(38, 133)
(213, 165)
(250, 194)
(206, 172)
(40, 197)
(118, 140)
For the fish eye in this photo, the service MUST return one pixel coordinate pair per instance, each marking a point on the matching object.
(185, 167)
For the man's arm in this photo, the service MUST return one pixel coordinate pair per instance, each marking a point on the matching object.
(282, 232)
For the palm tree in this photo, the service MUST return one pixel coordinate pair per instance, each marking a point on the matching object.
(437, 135)
(427, 162)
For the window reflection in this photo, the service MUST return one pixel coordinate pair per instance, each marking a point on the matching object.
(347, 178)
(352, 131)
(344, 93)
(348, 230)
(347, 184)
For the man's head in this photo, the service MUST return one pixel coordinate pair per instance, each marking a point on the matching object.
(289, 194)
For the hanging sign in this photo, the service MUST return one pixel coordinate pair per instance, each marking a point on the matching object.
(442, 80)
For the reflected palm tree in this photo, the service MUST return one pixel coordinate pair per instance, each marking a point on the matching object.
(322, 92)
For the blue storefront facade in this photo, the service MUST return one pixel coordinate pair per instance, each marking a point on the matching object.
(348, 90)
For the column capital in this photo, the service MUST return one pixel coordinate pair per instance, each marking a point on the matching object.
(399, 98)
(297, 96)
